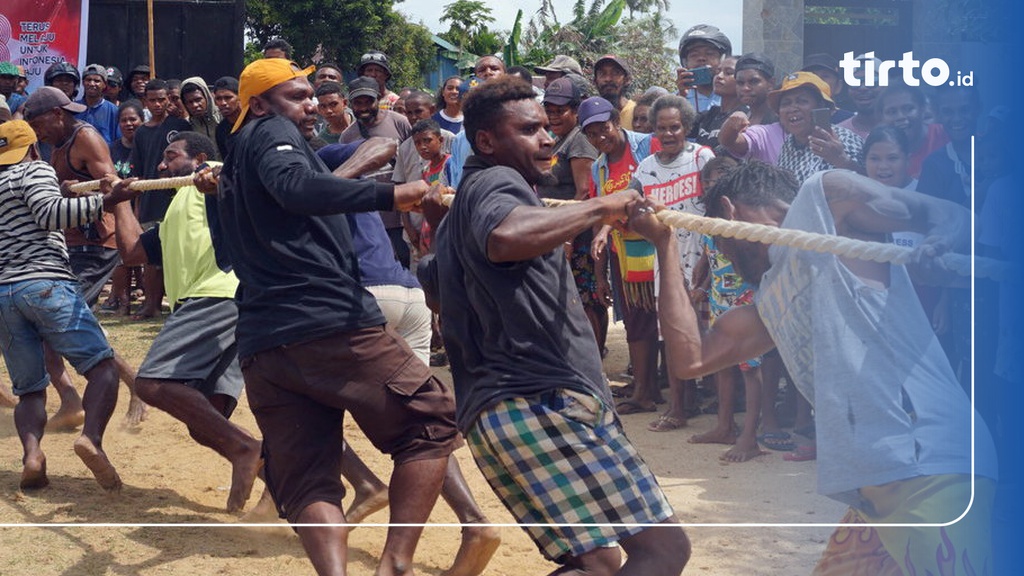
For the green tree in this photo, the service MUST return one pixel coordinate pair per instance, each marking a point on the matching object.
(590, 34)
(466, 20)
(646, 6)
(598, 28)
(341, 31)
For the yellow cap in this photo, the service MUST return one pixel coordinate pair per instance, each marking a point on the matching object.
(15, 138)
(262, 75)
(797, 80)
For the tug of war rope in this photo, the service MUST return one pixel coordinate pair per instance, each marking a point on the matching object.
(837, 245)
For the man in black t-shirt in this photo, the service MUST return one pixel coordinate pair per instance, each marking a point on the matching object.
(312, 342)
(150, 141)
(532, 402)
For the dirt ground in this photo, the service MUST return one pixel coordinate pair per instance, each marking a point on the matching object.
(171, 480)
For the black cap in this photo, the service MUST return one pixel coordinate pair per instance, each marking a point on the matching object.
(821, 60)
(560, 92)
(226, 83)
(756, 61)
(140, 69)
(363, 86)
(114, 76)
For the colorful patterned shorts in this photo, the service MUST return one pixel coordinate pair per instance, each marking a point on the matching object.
(561, 459)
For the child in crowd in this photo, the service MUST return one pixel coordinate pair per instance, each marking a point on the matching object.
(725, 289)
(426, 136)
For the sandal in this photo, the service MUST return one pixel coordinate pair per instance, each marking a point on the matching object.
(622, 391)
(635, 407)
(804, 453)
(666, 423)
(780, 441)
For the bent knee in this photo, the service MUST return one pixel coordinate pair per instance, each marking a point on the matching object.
(147, 389)
(665, 546)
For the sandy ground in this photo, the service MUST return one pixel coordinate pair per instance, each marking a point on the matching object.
(171, 480)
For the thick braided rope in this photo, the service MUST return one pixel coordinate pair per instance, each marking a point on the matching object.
(838, 245)
(142, 185)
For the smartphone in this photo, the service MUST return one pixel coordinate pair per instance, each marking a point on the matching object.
(702, 76)
(823, 118)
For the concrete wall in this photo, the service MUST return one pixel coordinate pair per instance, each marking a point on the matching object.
(775, 27)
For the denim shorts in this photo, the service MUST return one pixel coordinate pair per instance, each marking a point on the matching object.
(33, 311)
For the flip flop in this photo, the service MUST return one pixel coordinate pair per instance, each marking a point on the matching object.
(635, 407)
(666, 423)
(804, 453)
(622, 391)
(779, 441)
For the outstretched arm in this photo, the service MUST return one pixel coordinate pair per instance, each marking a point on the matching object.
(738, 335)
(530, 231)
(863, 208)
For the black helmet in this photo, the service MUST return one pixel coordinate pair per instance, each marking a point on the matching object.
(61, 69)
(704, 33)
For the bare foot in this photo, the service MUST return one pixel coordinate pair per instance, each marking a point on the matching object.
(365, 504)
(743, 450)
(96, 461)
(715, 436)
(478, 545)
(33, 475)
(243, 475)
(137, 413)
(7, 398)
(264, 512)
(69, 417)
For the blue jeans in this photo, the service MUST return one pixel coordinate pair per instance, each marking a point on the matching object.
(34, 311)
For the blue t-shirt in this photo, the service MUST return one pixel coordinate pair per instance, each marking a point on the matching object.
(377, 263)
(103, 117)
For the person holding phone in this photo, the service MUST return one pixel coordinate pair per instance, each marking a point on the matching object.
(809, 146)
(701, 50)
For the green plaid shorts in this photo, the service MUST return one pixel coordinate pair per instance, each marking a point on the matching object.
(563, 467)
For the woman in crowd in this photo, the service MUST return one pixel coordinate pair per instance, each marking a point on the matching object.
(706, 128)
(904, 107)
(808, 148)
(631, 257)
(571, 162)
(671, 176)
(449, 105)
(129, 118)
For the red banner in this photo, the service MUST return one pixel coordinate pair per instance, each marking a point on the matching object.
(35, 34)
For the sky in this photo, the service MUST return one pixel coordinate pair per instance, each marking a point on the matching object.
(726, 14)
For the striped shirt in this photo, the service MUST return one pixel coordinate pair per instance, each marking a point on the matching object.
(33, 215)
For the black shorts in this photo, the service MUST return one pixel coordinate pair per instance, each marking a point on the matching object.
(299, 394)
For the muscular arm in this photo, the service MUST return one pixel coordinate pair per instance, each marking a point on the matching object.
(91, 154)
(737, 336)
(127, 232)
(530, 231)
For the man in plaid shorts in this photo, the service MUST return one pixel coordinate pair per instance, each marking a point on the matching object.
(530, 396)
